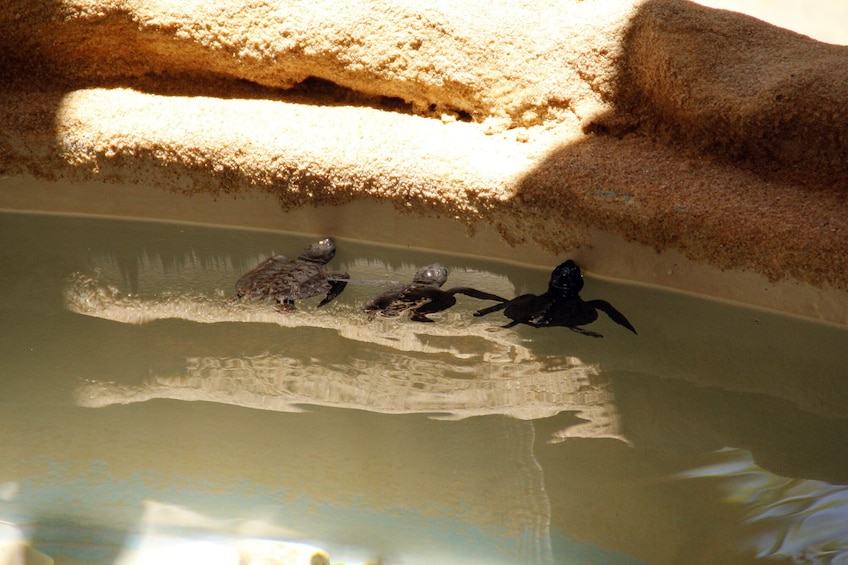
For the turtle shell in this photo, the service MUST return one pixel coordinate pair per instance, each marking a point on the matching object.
(278, 278)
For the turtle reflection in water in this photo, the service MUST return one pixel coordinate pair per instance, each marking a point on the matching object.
(561, 305)
(283, 281)
(423, 296)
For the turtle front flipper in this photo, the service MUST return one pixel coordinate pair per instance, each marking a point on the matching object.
(580, 330)
(613, 314)
(491, 309)
(337, 285)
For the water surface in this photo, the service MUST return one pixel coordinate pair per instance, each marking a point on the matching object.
(146, 416)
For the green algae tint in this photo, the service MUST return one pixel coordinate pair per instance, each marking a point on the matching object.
(147, 418)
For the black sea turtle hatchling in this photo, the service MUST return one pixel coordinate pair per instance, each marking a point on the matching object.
(561, 305)
(423, 296)
(282, 281)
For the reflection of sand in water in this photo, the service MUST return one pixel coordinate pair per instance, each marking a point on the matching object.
(87, 296)
(498, 375)
(397, 384)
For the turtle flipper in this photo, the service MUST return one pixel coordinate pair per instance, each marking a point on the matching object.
(580, 330)
(336, 288)
(285, 306)
(474, 293)
(613, 314)
(419, 317)
(491, 309)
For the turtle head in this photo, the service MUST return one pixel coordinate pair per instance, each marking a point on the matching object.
(319, 252)
(566, 280)
(433, 274)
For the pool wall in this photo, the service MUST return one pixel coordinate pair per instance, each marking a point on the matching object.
(604, 254)
(602, 131)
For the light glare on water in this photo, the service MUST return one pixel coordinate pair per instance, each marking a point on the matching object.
(146, 417)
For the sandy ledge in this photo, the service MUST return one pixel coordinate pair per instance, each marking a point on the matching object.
(646, 138)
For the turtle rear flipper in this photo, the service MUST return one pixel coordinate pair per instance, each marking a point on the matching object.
(284, 306)
(419, 317)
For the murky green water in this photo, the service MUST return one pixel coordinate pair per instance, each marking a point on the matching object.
(144, 417)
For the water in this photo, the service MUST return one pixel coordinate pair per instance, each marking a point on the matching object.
(147, 419)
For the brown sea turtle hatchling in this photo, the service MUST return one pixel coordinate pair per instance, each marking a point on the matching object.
(561, 305)
(283, 281)
(423, 296)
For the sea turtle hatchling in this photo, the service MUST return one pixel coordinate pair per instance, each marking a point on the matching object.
(561, 305)
(283, 281)
(423, 296)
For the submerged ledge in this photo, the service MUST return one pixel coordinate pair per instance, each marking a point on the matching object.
(603, 254)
